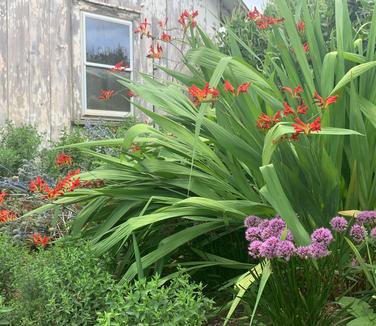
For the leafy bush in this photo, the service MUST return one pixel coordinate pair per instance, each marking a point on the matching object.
(147, 303)
(17, 144)
(67, 285)
(4, 311)
(12, 256)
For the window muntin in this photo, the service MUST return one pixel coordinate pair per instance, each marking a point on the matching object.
(106, 42)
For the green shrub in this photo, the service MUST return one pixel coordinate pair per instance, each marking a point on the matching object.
(11, 257)
(148, 303)
(64, 285)
(68, 285)
(17, 144)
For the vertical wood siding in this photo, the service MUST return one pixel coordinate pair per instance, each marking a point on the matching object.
(41, 59)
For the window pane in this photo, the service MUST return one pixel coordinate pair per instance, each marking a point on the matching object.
(107, 42)
(98, 79)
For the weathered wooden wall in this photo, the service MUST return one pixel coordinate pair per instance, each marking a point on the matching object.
(40, 53)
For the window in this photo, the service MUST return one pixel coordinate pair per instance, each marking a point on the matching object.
(106, 41)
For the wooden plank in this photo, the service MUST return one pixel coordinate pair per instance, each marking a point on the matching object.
(61, 78)
(3, 62)
(18, 61)
(40, 101)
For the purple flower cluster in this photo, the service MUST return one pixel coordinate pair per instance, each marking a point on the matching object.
(358, 233)
(271, 239)
(339, 224)
(366, 218)
(373, 233)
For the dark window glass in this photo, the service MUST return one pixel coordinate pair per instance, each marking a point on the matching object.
(98, 79)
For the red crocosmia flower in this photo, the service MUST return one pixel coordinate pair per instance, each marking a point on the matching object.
(306, 128)
(300, 26)
(265, 121)
(243, 88)
(3, 194)
(201, 95)
(306, 47)
(165, 37)
(254, 14)
(288, 109)
(302, 108)
(134, 148)
(155, 52)
(295, 93)
(119, 66)
(106, 94)
(40, 240)
(143, 29)
(262, 24)
(273, 21)
(163, 23)
(67, 184)
(63, 159)
(229, 87)
(38, 185)
(187, 19)
(7, 216)
(131, 94)
(330, 100)
(324, 103)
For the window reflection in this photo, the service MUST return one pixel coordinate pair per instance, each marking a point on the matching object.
(107, 42)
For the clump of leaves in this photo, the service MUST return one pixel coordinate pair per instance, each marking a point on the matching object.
(149, 303)
(18, 143)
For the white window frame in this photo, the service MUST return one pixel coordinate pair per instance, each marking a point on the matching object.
(85, 63)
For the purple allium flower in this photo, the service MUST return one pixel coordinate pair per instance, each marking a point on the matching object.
(338, 223)
(318, 250)
(322, 236)
(252, 221)
(253, 233)
(366, 217)
(277, 225)
(264, 224)
(285, 249)
(289, 236)
(354, 262)
(266, 233)
(373, 233)
(254, 248)
(358, 233)
(269, 247)
(303, 252)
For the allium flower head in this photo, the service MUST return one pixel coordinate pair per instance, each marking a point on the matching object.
(252, 221)
(358, 233)
(318, 250)
(285, 249)
(277, 225)
(373, 233)
(254, 248)
(253, 233)
(269, 247)
(366, 217)
(267, 232)
(289, 236)
(303, 252)
(322, 236)
(338, 223)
